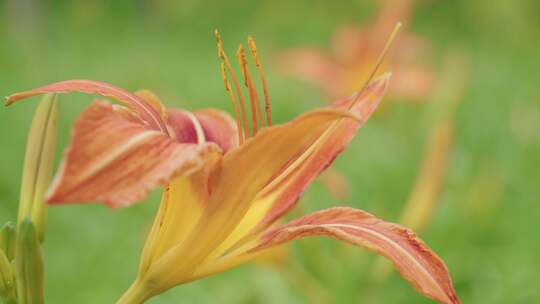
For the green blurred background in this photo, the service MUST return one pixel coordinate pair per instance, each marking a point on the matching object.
(486, 224)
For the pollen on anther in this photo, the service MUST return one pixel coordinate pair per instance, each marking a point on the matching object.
(223, 56)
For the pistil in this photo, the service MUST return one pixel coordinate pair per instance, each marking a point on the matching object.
(378, 63)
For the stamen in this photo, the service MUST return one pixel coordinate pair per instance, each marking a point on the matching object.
(253, 48)
(225, 59)
(235, 104)
(379, 61)
(256, 112)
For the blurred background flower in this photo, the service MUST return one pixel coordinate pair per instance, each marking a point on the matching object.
(484, 225)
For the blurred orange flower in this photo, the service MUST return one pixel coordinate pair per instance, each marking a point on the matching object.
(354, 51)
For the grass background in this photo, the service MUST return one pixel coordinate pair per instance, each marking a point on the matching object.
(487, 222)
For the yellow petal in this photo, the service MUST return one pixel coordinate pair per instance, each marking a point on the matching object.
(243, 173)
(181, 206)
(283, 192)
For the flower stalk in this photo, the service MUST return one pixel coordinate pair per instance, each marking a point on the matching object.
(137, 293)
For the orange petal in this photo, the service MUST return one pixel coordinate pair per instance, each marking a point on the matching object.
(153, 101)
(416, 262)
(146, 111)
(213, 125)
(324, 153)
(279, 196)
(114, 160)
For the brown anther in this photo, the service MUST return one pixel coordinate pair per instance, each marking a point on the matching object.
(223, 56)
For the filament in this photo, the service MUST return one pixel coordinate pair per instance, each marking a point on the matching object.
(225, 59)
(235, 104)
(256, 112)
(253, 48)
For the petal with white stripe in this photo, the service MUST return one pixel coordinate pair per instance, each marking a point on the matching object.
(416, 262)
(115, 160)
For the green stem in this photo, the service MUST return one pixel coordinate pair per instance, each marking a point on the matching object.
(137, 293)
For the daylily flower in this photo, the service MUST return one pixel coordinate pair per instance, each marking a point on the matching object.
(354, 49)
(225, 187)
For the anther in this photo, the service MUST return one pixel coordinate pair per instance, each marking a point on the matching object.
(225, 59)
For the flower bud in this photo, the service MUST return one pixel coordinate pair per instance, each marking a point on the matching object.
(38, 163)
(28, 265)
(7, 279)
(7, 240)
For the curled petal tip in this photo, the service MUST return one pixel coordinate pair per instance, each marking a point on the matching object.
(8, 101)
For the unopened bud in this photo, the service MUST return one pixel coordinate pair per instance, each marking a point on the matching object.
(38, 163)
(7, 240)
(7, 278)
(28, 265)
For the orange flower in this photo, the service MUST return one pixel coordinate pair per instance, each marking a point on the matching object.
(225, 189)
(354, 51)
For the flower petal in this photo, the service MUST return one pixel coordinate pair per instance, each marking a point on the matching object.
(242, 173)
(212, 125)
(293, 183)
(117, 161)
(416, 262)
(153, 100)
(219, 127)
(146, 111)
(181, 206)
(283, 192)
